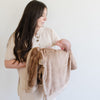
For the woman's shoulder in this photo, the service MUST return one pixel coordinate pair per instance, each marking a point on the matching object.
(12, 35)
(11, 38)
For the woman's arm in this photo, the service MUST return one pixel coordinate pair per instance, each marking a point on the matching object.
(11, 64)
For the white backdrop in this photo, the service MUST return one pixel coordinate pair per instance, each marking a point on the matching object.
(76, 20)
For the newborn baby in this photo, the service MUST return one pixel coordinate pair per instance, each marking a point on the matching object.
(62, 44)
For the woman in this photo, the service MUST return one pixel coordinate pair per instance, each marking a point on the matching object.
(30, 33)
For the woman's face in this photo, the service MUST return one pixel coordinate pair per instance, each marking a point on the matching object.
(42, 19)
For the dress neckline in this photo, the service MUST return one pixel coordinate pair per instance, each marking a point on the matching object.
(37, 34)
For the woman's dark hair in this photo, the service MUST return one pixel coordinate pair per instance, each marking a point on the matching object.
(26, 28)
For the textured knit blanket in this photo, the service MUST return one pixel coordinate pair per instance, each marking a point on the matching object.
(48, 68)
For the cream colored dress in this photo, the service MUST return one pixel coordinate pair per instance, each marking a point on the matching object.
(44, 38)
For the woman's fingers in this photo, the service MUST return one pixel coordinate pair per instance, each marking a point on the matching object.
(60, 45)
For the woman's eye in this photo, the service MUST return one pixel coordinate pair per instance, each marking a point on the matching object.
(44, 15)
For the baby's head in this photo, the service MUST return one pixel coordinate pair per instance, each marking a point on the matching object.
(58, 45)
(64, 44)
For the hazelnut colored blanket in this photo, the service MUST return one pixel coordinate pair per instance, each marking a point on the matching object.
(49, 68)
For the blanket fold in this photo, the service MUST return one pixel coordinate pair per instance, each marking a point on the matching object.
(50, 69)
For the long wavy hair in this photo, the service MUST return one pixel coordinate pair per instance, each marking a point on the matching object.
(26, 28)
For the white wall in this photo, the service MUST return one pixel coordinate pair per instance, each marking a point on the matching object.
(76, 20)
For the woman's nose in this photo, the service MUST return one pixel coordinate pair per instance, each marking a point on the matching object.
(45, 18)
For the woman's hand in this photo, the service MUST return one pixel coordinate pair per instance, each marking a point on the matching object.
(11, 64)
(64, 44)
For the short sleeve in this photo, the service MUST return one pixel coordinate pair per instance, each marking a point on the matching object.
(55, 37)
(9, 54)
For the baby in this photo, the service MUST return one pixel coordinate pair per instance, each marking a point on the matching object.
(62, 44)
